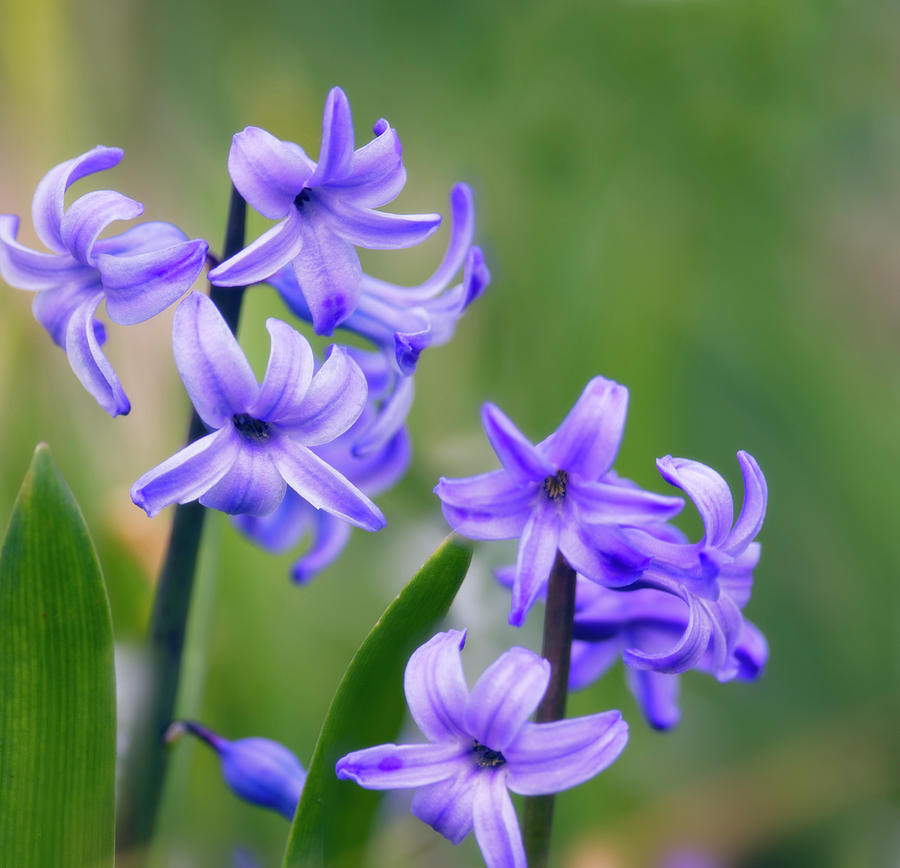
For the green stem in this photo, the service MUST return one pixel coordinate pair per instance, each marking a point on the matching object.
(559, 617)
(147, 758)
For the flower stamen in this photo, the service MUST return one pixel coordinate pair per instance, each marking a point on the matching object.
(301, 198)
(486, 758)
(250, 428)
(555, 486)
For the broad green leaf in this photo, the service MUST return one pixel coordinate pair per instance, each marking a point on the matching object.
(57, 684)
(334, 817)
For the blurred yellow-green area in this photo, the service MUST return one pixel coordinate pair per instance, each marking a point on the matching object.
(700, 200)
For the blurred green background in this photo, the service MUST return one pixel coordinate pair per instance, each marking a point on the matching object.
(700, 200)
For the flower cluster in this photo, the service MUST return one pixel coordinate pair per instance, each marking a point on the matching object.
(303, 452)
(644, 593)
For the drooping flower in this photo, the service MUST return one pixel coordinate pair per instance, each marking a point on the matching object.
(559, 495)
(714, 576)
(138, 273)
(325, 209)
(262, 436)
(482, 746)
(295, 517)
(404, 320)
(257, 770)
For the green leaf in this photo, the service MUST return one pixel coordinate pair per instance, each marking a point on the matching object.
(334, 817)
(57, 684)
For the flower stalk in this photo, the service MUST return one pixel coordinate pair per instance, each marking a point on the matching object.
(559, 617)
(147, 758)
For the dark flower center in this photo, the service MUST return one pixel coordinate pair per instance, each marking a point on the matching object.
(250, 428)
(301, 198)
(485, 758)
(555, 486)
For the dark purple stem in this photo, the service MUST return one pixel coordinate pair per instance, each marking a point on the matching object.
(559, 617)
(147, 758)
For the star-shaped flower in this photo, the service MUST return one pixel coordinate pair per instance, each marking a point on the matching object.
(262, 435)
(325, 209)
(559, 495)
(482, 746)
(138, 273)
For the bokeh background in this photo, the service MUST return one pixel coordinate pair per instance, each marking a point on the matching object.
(700, 200)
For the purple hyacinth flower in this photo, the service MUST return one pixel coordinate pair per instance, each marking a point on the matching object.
(558, 495)
(713, 576)
(404, 320)
(138, 273)
(325, 209)
(257, 770)
(482, 746)
(295, 517)
(262, 436)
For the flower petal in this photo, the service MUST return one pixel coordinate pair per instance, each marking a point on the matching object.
(588, 440)
(142, 238)
(288, 373)
(489, 506)
(589, 661)
(48, 205)
(188, 473)
(282, 529)
(88, 216)
(252, 484)
(324, 487)
(376, 173)
(379, 230)
(462, 230)
(88, 361)
(601, 553)
(600, 502)
(435, 687)
(657, 695)
(378, 471)
(534, 560)
(505, 696)
(259, 260)
(336, 151)
(549, 757)
(751, 653)
(390, 766)
(390, 419)
(215, 371)
(496, 825)
(707, 489)
(332, 403)
(753, 510)
(686, 653)
(328, 272)
(268, 172)
(29, 269)
(140, 286)
(328, 541)
(53, 308)
(517, 455)
(446, 806)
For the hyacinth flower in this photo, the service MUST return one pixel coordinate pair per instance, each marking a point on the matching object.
(257, 770)
(262, 436)
(138, 273)
(482, 746)
(714, 576)
(559, 495)
(325, 210)
(295, 517)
